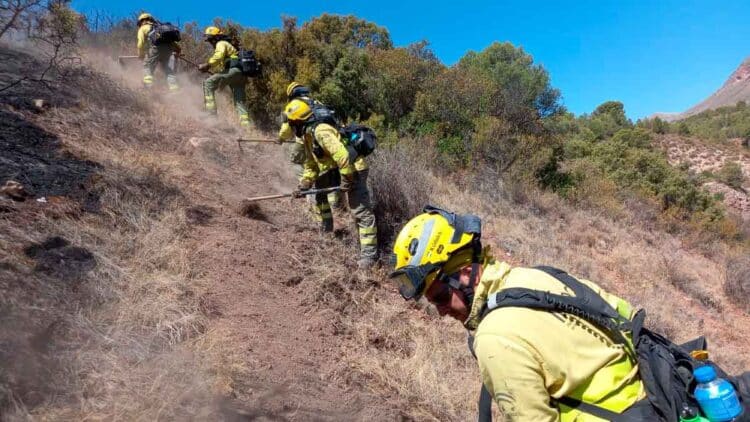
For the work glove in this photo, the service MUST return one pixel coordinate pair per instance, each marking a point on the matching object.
(304, 184)
(347, 182)
(203, 67)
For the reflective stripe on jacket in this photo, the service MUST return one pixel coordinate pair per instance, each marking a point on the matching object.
(223, 52)
(528, 358)
(335, 153)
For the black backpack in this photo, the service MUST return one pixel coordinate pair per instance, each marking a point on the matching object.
(320, 114)
(249, 64)
(665, 368)
(163, 33)
(360, 137)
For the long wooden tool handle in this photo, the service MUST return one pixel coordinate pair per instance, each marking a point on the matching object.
(263, 198)
(263, 141)
(285, 195)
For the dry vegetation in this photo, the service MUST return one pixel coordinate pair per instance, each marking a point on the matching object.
(413, 354)
(102, 302)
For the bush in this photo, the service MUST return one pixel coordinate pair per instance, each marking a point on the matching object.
(737, 280)
(401, 184)
(731, 174)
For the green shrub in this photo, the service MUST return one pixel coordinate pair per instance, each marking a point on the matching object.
(731, 174)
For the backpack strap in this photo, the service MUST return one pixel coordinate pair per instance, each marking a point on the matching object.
(586, 304)
(591, 409)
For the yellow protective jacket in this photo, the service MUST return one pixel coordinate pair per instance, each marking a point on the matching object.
(335, 153)
(143, 43)
(528, 357)
(286, 133)
(223, 52)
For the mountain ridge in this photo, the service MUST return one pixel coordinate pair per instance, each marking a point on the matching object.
(736, 88)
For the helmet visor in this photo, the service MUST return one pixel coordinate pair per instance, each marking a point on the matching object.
(412, 280)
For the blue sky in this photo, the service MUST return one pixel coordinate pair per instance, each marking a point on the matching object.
(659, 55)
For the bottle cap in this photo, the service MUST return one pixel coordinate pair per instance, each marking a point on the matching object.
(705, 373)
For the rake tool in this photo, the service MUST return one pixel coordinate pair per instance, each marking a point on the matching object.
(292, 194)
(261, 141)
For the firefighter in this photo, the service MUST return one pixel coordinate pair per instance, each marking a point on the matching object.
(156, 52)
(225, 71)
(325, 153)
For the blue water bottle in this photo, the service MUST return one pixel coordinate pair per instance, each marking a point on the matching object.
(716, 396)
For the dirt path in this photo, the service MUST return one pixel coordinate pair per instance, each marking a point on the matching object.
(253, 264)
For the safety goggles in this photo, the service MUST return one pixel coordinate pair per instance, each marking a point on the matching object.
(447, 284)
(411, 280)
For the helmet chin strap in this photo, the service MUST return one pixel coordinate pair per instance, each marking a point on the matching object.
(468, 291)
(476, 259)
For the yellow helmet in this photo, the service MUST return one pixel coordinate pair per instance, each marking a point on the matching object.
(433, 244)
(144, 16)
(212, 31)
(290, 88)
(297, 111)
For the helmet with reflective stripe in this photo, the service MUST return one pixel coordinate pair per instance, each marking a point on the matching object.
(212, 31)
(290, 88)
(297, 111)
(433, 244)
(296, 90)
(144, 17)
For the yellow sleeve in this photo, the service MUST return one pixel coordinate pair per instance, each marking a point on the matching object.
(330, 140)
(142, 39)
(515, 379)
(216, 62)
(286, 133)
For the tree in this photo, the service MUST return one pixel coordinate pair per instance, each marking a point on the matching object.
(613, 109)
(344, 90)
(55, 30)
(326, 38)
(521, 90)
(394, 78)
(18, 14)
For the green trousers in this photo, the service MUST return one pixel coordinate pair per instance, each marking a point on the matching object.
(159, 56)
(235, 80)
(360, 206)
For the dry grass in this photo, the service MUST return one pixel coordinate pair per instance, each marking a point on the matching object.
(737, 279)
(130, 339)
(400, 351)
(406, 351)
(125, 339)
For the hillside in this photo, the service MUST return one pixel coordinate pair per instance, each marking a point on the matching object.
(708, 159)
(142, 291)
(130, 266)
(135, 284)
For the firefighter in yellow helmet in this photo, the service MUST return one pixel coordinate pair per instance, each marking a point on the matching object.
(156, 49)
(535, 364)
(286, 133)
(325, 152)
(225, 71)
